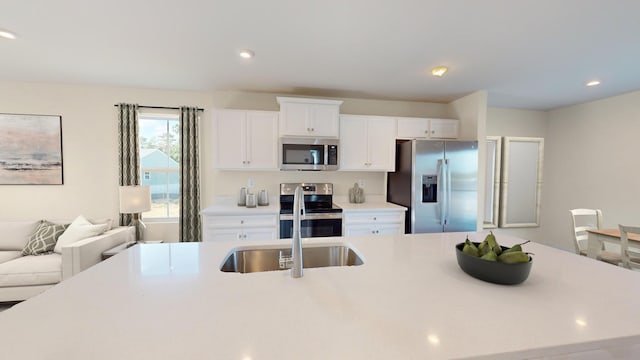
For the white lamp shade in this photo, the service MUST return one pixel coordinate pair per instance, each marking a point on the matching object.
(135, 199)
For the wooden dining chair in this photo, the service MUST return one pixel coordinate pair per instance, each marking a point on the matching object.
(581, 221)
(630, 258)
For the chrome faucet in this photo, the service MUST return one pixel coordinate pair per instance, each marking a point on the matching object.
(296, 246)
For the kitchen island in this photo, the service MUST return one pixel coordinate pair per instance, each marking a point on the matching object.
(409, 300)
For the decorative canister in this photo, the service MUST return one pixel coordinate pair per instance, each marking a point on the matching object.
(242, 197)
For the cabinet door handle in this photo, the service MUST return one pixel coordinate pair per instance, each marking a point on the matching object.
(375, 218)
(241, 221)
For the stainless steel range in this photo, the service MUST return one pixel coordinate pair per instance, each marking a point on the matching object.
(321, 218)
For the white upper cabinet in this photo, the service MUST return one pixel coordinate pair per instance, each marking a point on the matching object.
(423, 128)
(444, 128)
(309, 117)
(246, 139)
(413, 128)
(367, 143)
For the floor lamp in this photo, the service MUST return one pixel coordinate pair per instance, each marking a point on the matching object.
(135, 200)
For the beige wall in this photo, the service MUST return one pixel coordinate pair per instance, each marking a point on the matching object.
(592, 162)
(590, 152)
(527, 123)
(515, 122)
(90, 148)
(472, 112)
(227, 183)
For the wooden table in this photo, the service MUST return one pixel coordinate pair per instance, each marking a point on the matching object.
(598, 236)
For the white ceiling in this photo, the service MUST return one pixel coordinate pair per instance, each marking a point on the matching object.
(533, 54)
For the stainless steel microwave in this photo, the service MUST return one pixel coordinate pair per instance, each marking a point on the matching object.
(308, 154)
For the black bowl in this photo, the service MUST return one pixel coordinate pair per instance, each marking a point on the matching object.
(493, 271)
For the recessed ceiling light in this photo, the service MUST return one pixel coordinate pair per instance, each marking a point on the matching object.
(247, 54)
(7, 34)
(439, 71)
(593, 83)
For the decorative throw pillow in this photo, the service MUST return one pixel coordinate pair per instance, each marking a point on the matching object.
(79, 229)
(107, 221)
(44, 238)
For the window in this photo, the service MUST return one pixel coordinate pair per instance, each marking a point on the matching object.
(159, 164)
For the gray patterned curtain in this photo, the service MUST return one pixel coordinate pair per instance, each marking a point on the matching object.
(129, 156)
(190, 228)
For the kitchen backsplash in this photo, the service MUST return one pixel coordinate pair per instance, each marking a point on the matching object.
(228, 183)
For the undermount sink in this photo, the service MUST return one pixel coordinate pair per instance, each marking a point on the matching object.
(257, 259)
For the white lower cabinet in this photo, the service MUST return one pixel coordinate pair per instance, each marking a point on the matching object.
(240, 227)
(373, 223)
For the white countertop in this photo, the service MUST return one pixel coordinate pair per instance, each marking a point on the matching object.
(229, 206)
(369, 206)
(409, 300)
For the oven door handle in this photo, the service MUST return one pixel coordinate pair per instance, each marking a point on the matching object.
(312, 216)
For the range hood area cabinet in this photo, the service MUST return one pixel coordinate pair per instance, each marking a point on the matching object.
(367, 143)
(245, 140)
(309, 117)
(423, 128)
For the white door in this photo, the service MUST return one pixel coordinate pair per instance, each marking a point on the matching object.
(294, 119)
(262, 132)
(353, 142)
(230, 139)
(413, 128)
(324, 120)
(268, 233)
(381, 143)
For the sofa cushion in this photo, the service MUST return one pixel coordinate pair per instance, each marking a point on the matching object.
(43, 240)
(15, 234)
(107, 221)
(31, 270)
(7, 255)
(79, 229)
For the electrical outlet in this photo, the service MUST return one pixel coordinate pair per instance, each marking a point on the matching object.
(250, 183)
(361, 183)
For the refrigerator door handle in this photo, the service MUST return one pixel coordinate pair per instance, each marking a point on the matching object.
(448, 191)
(442, 190)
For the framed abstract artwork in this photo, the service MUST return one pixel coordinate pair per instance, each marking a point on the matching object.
(30, 149)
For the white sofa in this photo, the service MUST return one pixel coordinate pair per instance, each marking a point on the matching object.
(24, 276)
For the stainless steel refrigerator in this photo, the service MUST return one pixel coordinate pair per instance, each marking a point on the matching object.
(438, 182)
